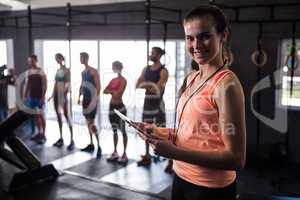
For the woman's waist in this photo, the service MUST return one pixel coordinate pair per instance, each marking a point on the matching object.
(204, 176)
(116, 103)
(60, 90)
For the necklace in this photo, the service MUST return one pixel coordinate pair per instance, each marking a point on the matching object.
(193, 94)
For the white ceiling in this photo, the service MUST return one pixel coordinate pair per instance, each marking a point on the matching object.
(22, 4)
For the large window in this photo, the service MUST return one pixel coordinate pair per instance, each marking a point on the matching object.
(102, 53)
(7, 58)
(288, 97)
(134, 61)
(3, 53)
(6, 53)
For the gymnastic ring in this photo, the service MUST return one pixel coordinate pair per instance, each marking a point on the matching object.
(259, 58)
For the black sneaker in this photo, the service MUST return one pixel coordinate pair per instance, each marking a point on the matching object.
(123, 160)
(169, 167)
(41, 140)
(59, 143)
(89, 148)
(145, 161)
(35, 136)
(99, 152)
(113, 157)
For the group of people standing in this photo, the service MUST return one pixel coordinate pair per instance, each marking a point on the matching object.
(153, 79)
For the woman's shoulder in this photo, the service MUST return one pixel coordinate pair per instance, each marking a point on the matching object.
(227, 79)
(66, 70)
(60, 70)
(224, 78)
(119, 80)
(122, 78)
(227, 75)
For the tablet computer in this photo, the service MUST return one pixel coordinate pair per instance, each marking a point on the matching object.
(127, 120)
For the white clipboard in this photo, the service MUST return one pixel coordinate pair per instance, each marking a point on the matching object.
(127, 120)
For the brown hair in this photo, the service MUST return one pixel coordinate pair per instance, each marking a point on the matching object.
(159, 50)
(60, 56)
(117, 64)
(84, 55)
(220, 22)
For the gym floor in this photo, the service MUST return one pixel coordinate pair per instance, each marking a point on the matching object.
(83, 176)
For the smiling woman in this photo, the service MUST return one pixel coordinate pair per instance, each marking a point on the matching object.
(209, 144)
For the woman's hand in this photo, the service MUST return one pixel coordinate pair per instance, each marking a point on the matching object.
(149, 130)
(162, 148)
(152, 134)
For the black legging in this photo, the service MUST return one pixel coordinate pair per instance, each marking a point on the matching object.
(183, 190)
(115, 120)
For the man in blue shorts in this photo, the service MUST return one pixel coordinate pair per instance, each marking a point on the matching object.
(34, 96)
